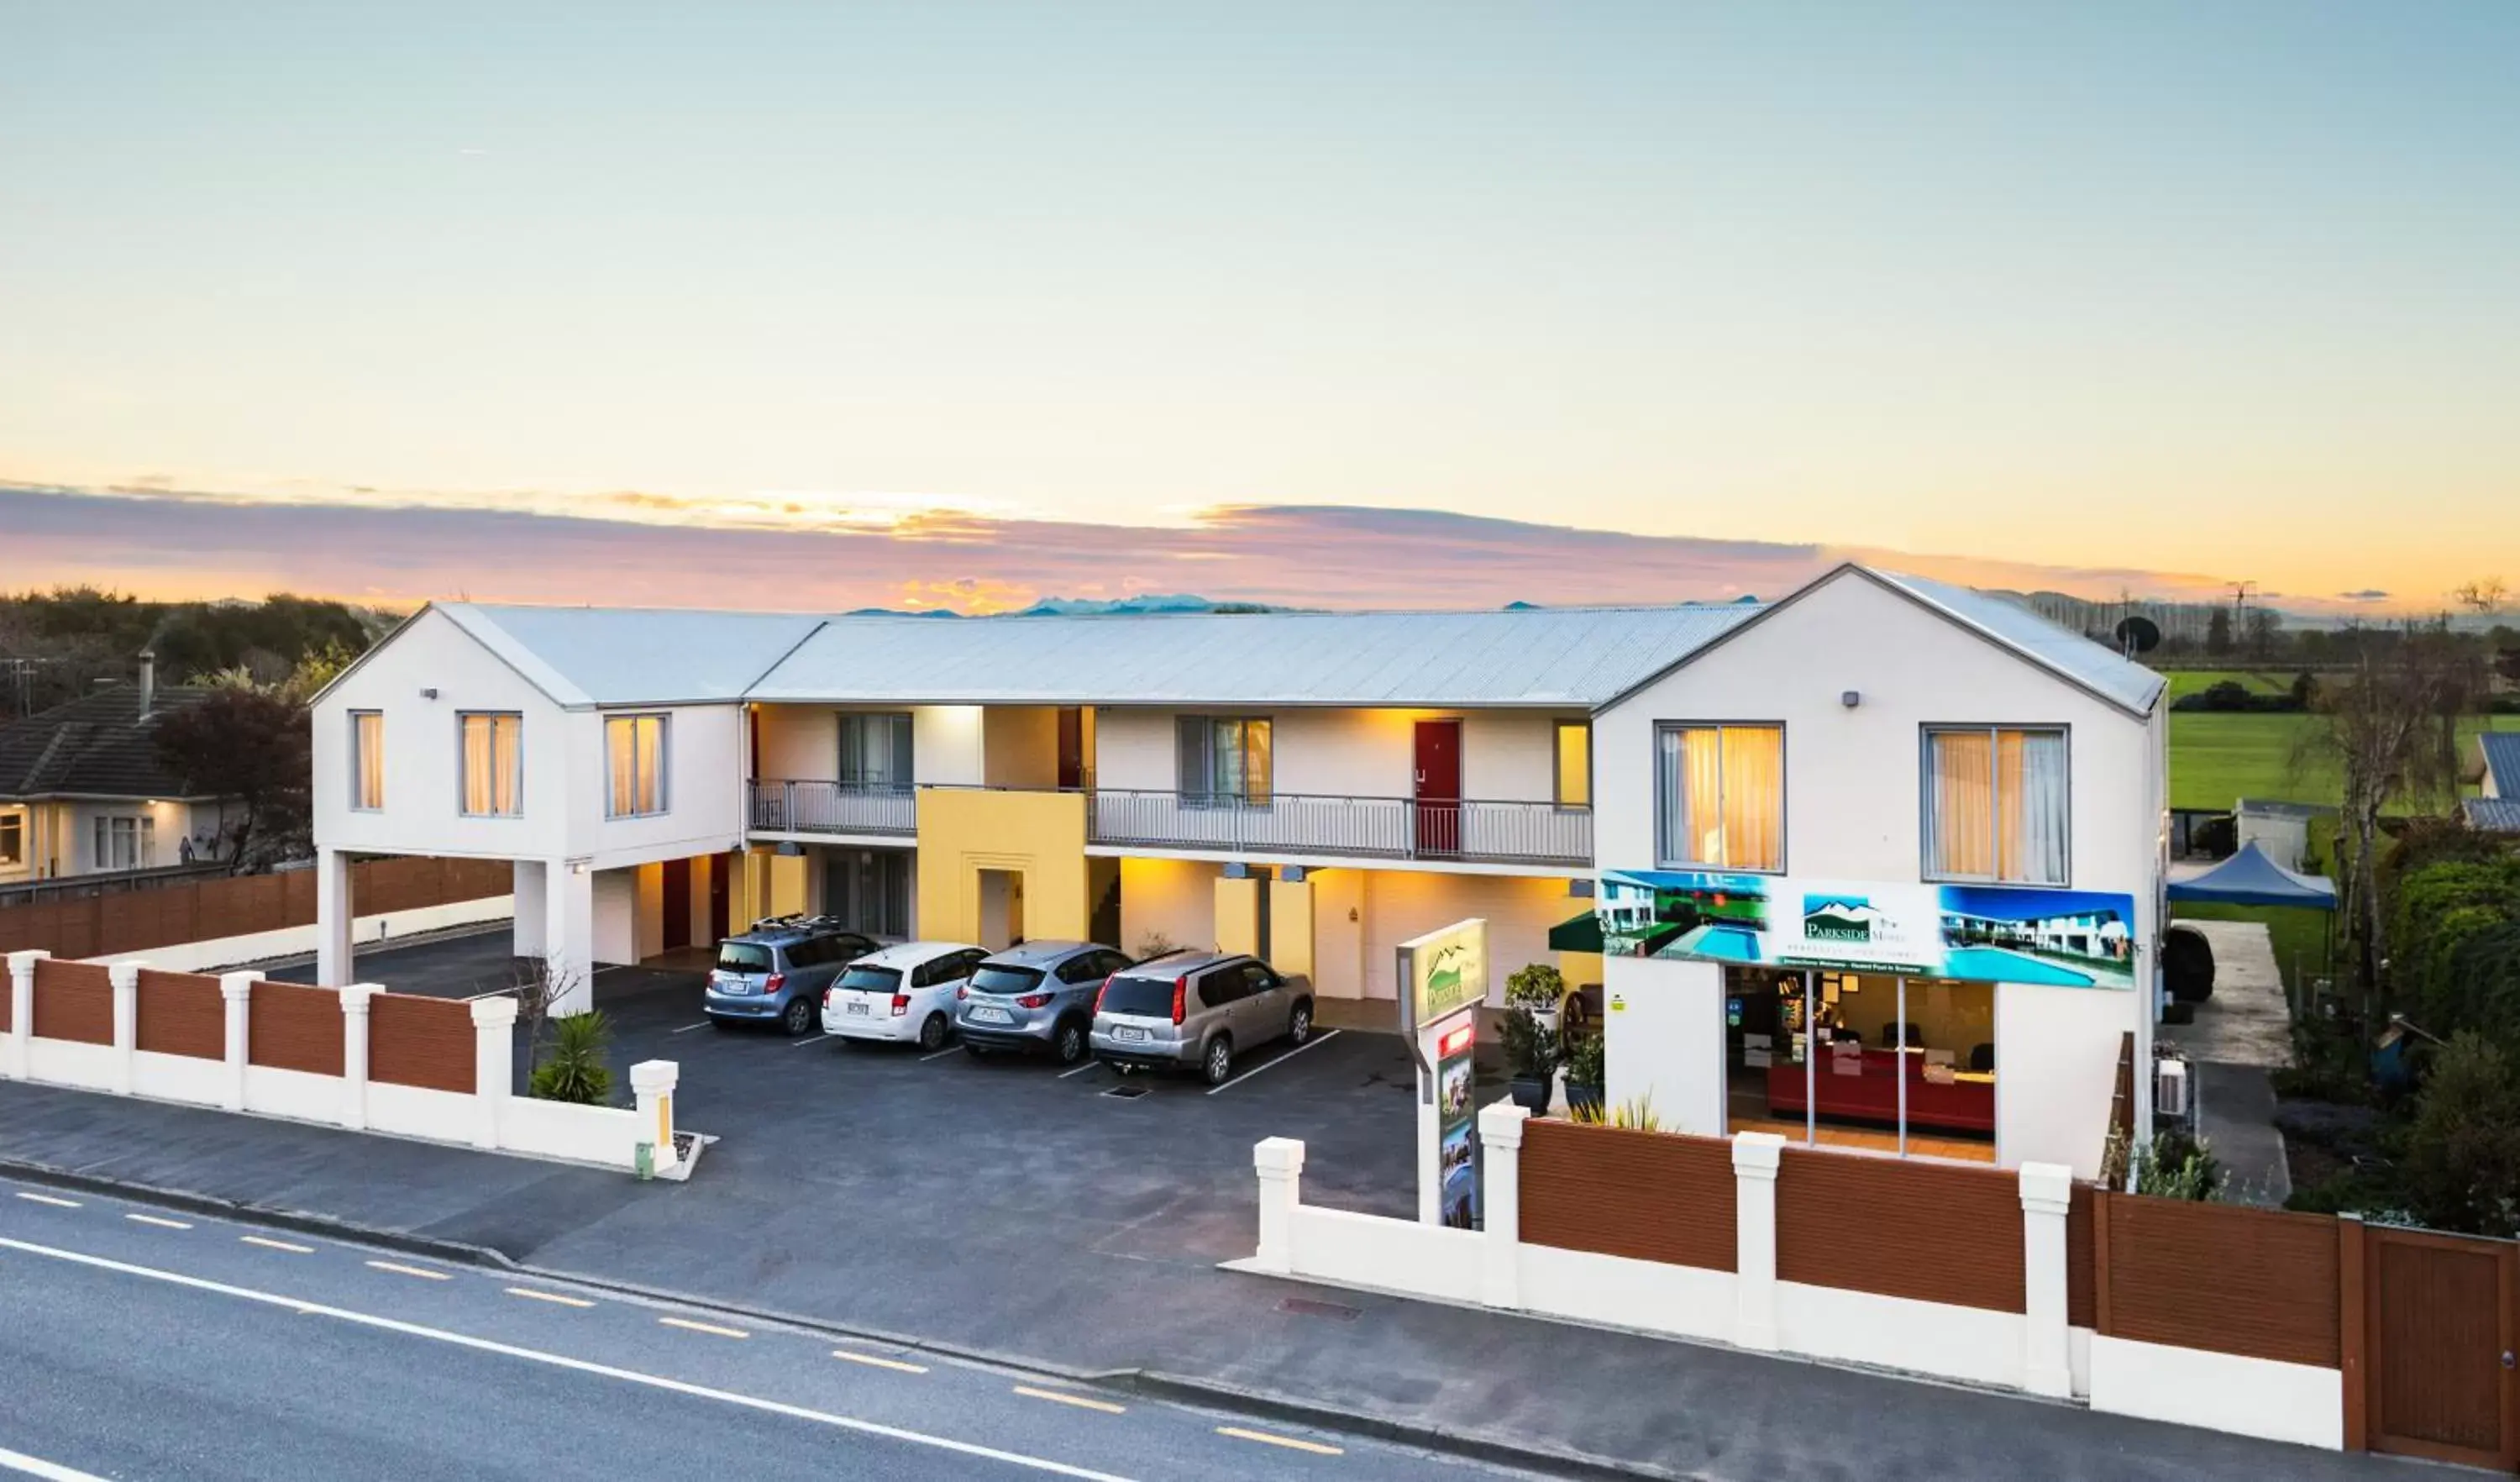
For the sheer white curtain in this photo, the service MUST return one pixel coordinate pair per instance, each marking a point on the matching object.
(2031, 805)
(368, 737)
(1754, 797)
(1959, 822)
(1720, 796)
(621, 748)
(1998, 806)
(490, 764)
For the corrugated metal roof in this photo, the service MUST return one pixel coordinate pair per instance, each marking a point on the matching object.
(2500, 814)
(97, 745)
(2094, 666)
(2501, 750)
(1559, 657)
(633, 655)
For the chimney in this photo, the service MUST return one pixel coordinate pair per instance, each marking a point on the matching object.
(148, 680)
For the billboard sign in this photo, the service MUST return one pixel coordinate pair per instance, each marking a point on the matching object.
(1443, 972)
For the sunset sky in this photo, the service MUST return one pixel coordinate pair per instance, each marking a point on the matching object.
(1356, 304)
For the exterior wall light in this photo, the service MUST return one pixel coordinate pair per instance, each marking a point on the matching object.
(1851, 698)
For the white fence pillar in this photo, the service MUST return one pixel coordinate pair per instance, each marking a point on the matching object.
(2047, 1193)
(1756, 1157)
(125, 978)
(494, 1070)
(354, 1053)
(237, 989)
(653, 1083)
(1501, 1190)
(1281, 1165)
(22, 1014)
(335, 918)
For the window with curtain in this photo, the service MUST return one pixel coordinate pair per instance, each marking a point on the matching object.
(125, 842)
(875, 752)
(1995, 805)
(1225, 760)
(1720, 796)
(367, 760)
(12, 838)
(492, 780)
(1574, 764)
(634, 752)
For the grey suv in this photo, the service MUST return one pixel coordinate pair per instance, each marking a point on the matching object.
(777, 972)
(1197, 1009)
(1037, 997)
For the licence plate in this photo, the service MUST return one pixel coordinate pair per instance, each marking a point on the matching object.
(1133, 1035)
(858, 1007)
(986, 1016)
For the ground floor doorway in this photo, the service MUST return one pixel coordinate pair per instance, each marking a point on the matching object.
(1882, 1063)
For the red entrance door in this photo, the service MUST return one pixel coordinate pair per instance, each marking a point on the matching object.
(677, 905)
(1439, 787)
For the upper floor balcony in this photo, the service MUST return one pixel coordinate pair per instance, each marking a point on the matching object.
(1466, 831)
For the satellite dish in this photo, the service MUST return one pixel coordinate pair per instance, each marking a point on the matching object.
(2137, 634)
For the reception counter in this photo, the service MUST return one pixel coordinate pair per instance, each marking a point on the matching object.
(1863, 1086)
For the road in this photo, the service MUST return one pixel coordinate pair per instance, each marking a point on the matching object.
(138, 1343)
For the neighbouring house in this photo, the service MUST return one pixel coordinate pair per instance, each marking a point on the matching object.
(1880, 863)
(2498, 775)
(82, 790)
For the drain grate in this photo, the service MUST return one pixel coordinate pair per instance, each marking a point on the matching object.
(1310, 1307)
(1128, 1093)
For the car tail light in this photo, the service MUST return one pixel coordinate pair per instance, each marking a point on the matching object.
(1035, 1000)
(827, 995)
(1100, 994)
(774, 982)
(1180, 996)
(900, 1004)
(961, 991)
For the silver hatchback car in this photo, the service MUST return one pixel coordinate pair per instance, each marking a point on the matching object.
(1036, 997)
(1193, 1010)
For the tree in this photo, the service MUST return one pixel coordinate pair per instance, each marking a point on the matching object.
(2484, 595)
(257, 749)
(2218, 632)
(2462, 1162)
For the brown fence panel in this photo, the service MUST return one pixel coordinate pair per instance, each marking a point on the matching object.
(2440, 1331)
(1646, 1196)
(293, 1027)
(182, 1013)
(2082, 1274)
(75, 1002)
(424, 1041)
(2258, 1282)
(1927, 1231)
(202, 910)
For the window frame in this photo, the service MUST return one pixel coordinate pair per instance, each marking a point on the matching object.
(1664, 858)
(359, 761)
(1209, 797)
(1993, 729)
(1557, 766)
(12, 827)
(665, 762)
(463, 774)
(905, 725)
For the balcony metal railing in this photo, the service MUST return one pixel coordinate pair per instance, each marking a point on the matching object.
(1472, 830)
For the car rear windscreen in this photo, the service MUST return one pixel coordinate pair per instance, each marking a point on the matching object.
(991, 978)
(871, 979)
(742, 956)
(1150, 996)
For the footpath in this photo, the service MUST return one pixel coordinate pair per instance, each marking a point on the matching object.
(1571, 1400)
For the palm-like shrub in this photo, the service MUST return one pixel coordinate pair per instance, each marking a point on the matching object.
(575, 1069)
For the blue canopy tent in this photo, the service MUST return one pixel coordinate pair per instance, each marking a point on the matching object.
(2250, 879)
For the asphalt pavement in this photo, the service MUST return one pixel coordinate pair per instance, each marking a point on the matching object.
(141, 1343)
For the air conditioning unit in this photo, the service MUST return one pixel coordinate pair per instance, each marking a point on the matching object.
(2169, 1089)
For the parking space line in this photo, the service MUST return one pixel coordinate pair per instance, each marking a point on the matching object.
(37, 1466)
(941, 1053)
(1079, 1401)
(1079, 1071)
(46, 1199)
(549, 1296)
(688, 1028)
(421, 1272)
(1288, 1441)
(711, 1328)
(161, 1221)
(811, 1039)
(872, 1361)
(270, 1245)
(1324, 1038)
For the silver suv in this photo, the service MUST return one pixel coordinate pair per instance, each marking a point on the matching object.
(1197, 1009)
(1036, 997)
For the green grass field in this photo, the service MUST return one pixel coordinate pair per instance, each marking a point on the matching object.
(2219, 757)
(2186, 682)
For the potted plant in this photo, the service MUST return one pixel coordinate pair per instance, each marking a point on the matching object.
(1540, 988)
(1584, 1056)
(1531, 1056)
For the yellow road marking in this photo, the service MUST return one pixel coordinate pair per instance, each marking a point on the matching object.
(45, 1199)
(1288, 1441)
(163, 1224)
(707, 1328)
(873, 1361)
(548, 1296)
(295, 1250)
(421, 1272)
(1079, 1401)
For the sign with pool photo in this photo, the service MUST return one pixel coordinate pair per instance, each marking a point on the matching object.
(1973, 933)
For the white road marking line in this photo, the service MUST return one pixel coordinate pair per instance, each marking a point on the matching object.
(1323, 1038)
(873, 1361)
(160, 1221)
(561, 1361)
(548, 1296)
(295, 1250)
(1288, 1441)
(423, 1272)
(1079, 1401)
(1079, 1071)
(45, 1199)
(688, 1028)
(811, 1039)
(712, 1328)
(37, 1466)
(941, 1053)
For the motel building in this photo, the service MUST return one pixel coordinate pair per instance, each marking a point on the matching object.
(1877, 864)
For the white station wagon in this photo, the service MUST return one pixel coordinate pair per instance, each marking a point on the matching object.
(901, 995)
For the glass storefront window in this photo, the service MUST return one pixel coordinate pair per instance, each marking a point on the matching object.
(1885, 1065)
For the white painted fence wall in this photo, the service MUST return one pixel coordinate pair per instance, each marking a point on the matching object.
(221, 951)
(2033, 1351)
(490, 1119)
